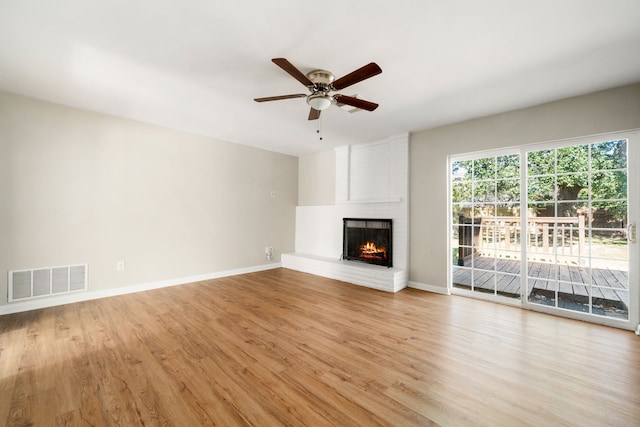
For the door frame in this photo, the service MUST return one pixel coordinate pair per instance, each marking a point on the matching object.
(633, 199)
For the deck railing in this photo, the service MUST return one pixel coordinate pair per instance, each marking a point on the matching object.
(559, 235)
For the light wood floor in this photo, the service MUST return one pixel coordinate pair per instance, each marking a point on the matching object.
(287, 348)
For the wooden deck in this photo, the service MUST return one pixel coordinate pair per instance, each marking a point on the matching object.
(609, 286)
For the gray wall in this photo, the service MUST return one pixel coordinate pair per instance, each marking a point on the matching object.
(79, 187)
(607, 111)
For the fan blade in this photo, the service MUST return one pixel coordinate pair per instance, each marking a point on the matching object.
(314, 114)
(355, 102)
(358, 75)
(293, 71)
(277, 98)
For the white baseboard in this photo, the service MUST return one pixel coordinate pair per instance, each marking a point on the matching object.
(430, 288)
(17, 307)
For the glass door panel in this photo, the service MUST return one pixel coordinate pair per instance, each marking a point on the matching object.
(577, 248)
(486, 234)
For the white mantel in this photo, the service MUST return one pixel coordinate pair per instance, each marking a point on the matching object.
(372, 181)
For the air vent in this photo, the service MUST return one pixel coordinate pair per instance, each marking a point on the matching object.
(39, 282)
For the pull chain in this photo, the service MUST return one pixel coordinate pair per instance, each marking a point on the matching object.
(319, 129)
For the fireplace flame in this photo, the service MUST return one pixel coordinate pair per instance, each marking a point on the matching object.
(370, 251)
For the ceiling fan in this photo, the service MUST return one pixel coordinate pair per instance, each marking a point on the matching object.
(321, 83)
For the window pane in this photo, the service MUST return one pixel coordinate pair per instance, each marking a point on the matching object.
(573, 159)
(610, 248)
(484, 260)
(489, 237)
(484, 281)
(541, 162)
(459, 212)
(508, 234)
(461, 192)
(609, 185)
(568, 210)
(459, 254)
(542, 291)
(482, 210)
(508, 285)
(609, 155)
(541, 188)
(508, 190)
(617, 306)
(462, 170)
(461, 277)
(609, 214)
(573, 186)
(508, 262)
(543, 210)
(485, 168)
(541, 270)
(484, 191)
(509, 209)
(508, 166)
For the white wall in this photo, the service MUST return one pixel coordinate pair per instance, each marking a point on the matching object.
(81, 187)
(607, 111)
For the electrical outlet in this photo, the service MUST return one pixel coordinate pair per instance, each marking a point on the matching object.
(268, 250)
(120, 266)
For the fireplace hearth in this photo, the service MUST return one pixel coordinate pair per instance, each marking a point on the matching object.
(367, 240)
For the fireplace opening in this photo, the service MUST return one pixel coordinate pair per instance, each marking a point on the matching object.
(367, 240)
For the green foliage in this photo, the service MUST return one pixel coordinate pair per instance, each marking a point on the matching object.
(563, 174)
(541, 162)
(508, 166)
(572, 159)
(484, 168)
(560, 181)
(609, 155)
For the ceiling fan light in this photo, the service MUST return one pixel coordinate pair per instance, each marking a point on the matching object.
(319, 101)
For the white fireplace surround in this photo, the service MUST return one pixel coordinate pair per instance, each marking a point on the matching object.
(372, 181)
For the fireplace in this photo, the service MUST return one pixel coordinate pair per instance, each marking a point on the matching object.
(367, 240)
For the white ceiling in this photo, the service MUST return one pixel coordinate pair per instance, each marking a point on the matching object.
(196, 65)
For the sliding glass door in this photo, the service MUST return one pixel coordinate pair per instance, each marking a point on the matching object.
(550, 227)
(577, 220)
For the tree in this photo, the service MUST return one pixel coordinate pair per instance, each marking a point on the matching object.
(560, 181)
(568, 173)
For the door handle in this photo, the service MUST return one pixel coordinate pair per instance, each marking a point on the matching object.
(631, 232)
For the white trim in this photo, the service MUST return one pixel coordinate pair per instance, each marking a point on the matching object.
(448, 231)
(476, 155)
(80, 296)
(578, 315)
(633, 198)
(429, 288)
(486, 296)
(370, 201)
